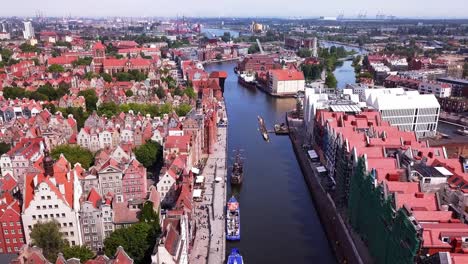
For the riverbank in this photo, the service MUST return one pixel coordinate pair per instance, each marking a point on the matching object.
(340, 238)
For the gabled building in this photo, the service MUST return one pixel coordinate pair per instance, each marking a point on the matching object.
(53, 195)
(96, 217)
(11, 229)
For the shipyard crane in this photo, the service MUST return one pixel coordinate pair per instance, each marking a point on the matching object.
(260, 47)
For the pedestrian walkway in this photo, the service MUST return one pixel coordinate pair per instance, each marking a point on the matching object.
(210, 243)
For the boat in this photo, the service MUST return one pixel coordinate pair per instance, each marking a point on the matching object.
(247, 80)
(237, 170)
(263, 129)
(463, 132)
(232, 220)
(235, 257)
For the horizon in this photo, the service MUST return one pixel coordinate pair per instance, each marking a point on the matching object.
(297, 9)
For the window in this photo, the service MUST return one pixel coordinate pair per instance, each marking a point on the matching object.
(48, 197)
(5, 232)
(18, 223)
(63, 214)
(64, 224)
(4, 224)
(14, 240)
(44, 207)
(56, 206)
(7, 240)
(73, 243)
(20, 231)
(38, 207)
(34, 217)
(9, 249)
(42, 197)
(21, 240)
(87, 238)
(86, 230)
(16, 248)
(72, 233)
(13, 232)
(71, 224)
(94, 230)
(12, 224)
(50, 206)
(95, 238)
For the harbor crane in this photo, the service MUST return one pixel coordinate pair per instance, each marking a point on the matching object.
(260, 47)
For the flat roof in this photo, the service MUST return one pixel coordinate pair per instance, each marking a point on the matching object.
(350, 108)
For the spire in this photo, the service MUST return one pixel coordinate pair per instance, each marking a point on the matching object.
(48, 163)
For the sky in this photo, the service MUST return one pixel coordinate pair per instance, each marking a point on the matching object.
(237, 8)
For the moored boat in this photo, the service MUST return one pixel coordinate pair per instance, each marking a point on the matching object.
(235, 257)
(232, 220)
(247, 80)
(237, 170)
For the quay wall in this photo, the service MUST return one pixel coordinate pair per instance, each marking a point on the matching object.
(338, 235)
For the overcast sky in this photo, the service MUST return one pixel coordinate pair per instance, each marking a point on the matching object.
(243, 8)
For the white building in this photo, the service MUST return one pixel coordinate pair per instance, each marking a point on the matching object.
(285, 82)
(28, 32)
(408, 110)
(440, 90)
(53, 197)
(319, 98)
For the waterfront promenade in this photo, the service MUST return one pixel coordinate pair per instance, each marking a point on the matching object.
(210, 242)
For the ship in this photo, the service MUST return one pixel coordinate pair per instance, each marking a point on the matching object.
(247, 80)
(235, 257)
(263, 129)
(237, 170)
(232, 220)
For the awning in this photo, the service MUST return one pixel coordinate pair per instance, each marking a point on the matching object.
(197, 193)
(218, 179)
(195, 170)
(312, 154)
(200, 179)
(321, 169)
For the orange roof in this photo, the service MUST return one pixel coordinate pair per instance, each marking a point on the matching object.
(94, 197)
(287, 75)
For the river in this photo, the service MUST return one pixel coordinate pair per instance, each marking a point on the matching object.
(279, 223)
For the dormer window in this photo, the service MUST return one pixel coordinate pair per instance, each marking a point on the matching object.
(446, 239)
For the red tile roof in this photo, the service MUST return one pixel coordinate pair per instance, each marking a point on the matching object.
(287, 75)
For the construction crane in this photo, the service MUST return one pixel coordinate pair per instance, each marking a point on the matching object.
(260, 47)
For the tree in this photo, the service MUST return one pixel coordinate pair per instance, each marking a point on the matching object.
(90, 98)
(331, 81)
(160, 93)
(48, 237)
(83, 61)
(178, 91)
(108, 109)
(190, 92)
(165, 109)
(148, 214)
(183, 109)
(13, 92)
(148, 154)
(25, 47)
(4, 148)
(138, 241)
(107, 77)
(253, 48)
(48, 91)
(304, 53)
(312, 72)
(80, 252)
(226, 37)
(74, 154)
(55, 68)
(129, 93)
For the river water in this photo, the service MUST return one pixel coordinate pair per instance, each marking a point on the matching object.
(279, 223)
